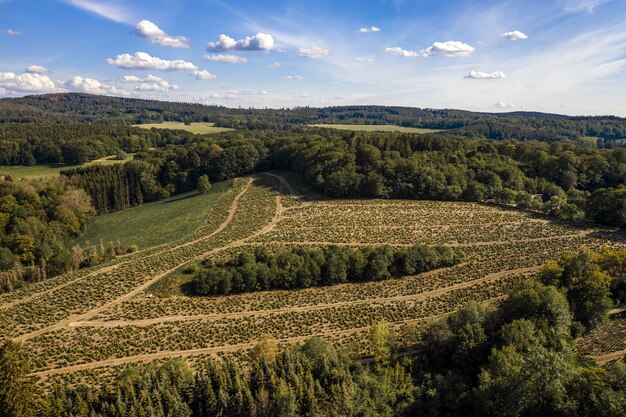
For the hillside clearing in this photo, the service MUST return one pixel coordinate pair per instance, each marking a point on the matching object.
(154, 223)
(52, 170)
(197, 128)
(375, 128)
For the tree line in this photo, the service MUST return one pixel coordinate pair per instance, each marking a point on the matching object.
(93, 109)
(303, 267)
(514, 359)
(562, 180)
(75, 144)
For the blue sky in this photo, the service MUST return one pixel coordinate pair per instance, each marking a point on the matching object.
(563, 56)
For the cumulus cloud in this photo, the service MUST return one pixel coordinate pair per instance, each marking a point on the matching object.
(293, 77)
(304, 95)
(90, 85)
(149, 83)
(366, 59)
(203, 75)
(369, 29)
(504, 105)
(142, 60)
(515, 35)
(449, 48)
(274, 65)
(26, 82)
(37, 69)
(130, 79)
(478, 75)
(148, 30)
(314, 52)
(402, 52)
(225, 59)
(258, 42)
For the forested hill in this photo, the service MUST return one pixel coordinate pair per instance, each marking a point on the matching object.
(86, 108)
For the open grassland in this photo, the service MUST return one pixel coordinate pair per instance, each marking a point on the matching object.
(197, 128)
(52, 170)
(155, 223)
(80, 326)
(375, 128)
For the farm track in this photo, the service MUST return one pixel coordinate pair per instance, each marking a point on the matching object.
(213, 350)
(582, 233)
(379, 300)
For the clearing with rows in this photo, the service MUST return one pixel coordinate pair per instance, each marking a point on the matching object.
(83, 325)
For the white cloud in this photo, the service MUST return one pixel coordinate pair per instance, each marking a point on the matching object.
(12, 32)
(107, 9)
(366, 59)
(314, 52)
(402, 52)
(576, 6)
(27, 82)
(258, 42)
(92, 86)
(304, 95)
(274, 65)
(130, 79)
(449, 48)
(142, 60)
(203, 75)
(293, 77)
(515, 35)
(369, 29)
(150, 83)
(37, 69)
(2, 91)
(225, 58)
(504, 105)
(148, 30)
(478, 75)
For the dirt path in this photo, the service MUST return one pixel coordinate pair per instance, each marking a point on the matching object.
(359, 244)
(217, 316)
(200, 351)
(609, 357)
(87, 315)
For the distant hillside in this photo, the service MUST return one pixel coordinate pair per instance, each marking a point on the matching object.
(87, 108)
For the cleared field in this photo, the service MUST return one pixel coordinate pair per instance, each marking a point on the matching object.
(80, 326)
(198, 128)
(376, 128)
(52, 170)
(155, 223)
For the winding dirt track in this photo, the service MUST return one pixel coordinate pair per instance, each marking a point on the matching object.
(413, 297)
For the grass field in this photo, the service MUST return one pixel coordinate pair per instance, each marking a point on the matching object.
(155, 223)
(83, 325)
(198, 128)
(52, 170)
(376, 128)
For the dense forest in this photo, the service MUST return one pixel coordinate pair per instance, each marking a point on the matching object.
(561, 180)
(311, 267)
(75, 144)
(514, 359)
(85, 108)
